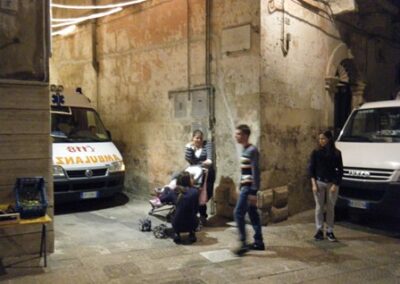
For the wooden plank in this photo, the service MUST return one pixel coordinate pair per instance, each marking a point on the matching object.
(46, 219)
(24, 121)
(24, 97)
(31, 146)
(11, 169)
(7, 195)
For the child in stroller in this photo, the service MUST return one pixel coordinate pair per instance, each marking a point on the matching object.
(184, 198)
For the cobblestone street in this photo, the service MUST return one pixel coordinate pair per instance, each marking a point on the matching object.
(105, 245)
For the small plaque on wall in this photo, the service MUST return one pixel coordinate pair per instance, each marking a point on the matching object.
(236, 39)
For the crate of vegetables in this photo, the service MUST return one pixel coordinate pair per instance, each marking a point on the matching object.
(30, 197)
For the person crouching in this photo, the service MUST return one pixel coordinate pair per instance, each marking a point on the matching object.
(187, 205)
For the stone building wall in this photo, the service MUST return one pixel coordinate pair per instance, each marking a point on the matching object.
(137, 66)
(294, 103)
(25, 147)
(236, 76)
(145, 60)
(297, 100)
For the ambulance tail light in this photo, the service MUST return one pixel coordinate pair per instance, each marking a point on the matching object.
(58, 171)
(117, 166)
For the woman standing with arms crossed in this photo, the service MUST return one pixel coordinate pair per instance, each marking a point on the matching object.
(200, 152)
(326, 171)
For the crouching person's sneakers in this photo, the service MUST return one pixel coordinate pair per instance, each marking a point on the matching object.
(257, 246)
(177, 238)
(319, 236)
(240, 251)
(192, 237)
(331, 237)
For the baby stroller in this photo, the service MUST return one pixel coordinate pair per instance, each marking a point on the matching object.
(165, 210)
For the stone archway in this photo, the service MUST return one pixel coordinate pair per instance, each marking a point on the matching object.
(341, 70)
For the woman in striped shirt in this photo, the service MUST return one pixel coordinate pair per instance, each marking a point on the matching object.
(199, 152)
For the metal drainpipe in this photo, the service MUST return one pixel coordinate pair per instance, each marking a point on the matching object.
(210, 88)
(208, 41)
(285, 38)
(95, 62)
(188, 46)
(208, 67)
(47, 38)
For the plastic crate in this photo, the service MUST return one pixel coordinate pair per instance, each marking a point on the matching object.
(30, 197)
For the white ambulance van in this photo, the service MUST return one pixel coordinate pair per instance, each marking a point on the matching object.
(86, 163)
(370, 145)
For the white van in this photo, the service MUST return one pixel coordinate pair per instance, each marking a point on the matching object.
(86, 163)
(370, 145)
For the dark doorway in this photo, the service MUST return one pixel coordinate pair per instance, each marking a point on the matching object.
(342, 106)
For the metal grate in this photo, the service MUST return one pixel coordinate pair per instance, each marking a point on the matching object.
(367, 174)
(85, 174)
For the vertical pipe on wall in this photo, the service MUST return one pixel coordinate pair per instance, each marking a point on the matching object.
(208, 59)
(95, 62)
(208, 42)
(285, 37)
(188, 45)
(210, 88)
(47, 39)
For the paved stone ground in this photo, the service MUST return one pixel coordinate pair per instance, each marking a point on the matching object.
(102, 244)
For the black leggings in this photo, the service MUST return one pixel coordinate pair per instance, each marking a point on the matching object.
(210, 191)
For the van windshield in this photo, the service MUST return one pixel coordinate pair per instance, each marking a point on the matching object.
(381, 125)
(72, 124)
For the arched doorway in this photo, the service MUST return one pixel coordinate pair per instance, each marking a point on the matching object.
(343, 85)
(342, 96)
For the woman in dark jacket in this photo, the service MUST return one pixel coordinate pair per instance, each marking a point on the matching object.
(186, 200)
(326, 171)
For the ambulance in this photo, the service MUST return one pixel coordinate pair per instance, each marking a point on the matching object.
(370, 146)
(86, 163)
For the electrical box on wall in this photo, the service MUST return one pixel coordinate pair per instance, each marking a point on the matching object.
(192, 109)
(180, 105)
(199, 104)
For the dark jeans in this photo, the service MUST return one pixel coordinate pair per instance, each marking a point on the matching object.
(210, 191)
(242, 207)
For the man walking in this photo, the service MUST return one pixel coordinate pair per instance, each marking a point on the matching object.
(249, 185)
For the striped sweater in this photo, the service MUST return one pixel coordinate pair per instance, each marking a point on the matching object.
(250, 171)
(197, 156)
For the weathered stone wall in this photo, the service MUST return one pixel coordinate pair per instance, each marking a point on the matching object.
(143, 55)
(132, 63)
(295, 104)
(74, 67)
(236, 78)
